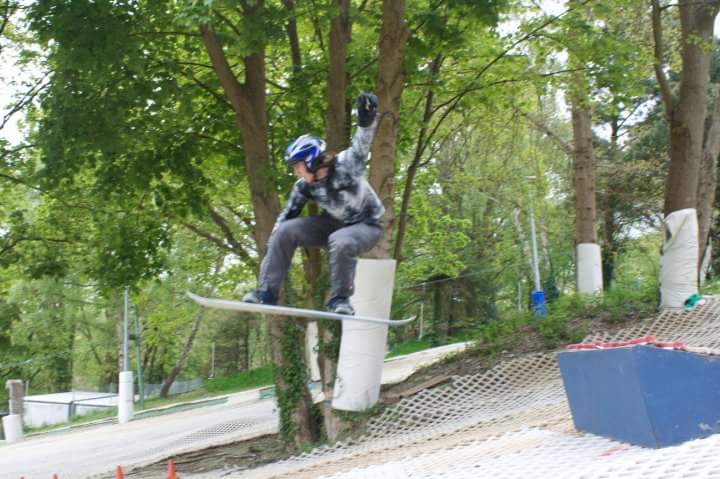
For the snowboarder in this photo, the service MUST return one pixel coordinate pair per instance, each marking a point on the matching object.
(351, 219)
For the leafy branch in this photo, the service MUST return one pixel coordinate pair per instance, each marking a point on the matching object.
(228, 242)
(26, 99)
(11, 244)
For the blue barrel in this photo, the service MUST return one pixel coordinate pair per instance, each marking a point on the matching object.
(537, 299)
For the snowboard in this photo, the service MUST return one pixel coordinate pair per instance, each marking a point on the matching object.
(287, 311)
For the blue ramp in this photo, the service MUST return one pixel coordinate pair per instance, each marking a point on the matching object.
(643, 395)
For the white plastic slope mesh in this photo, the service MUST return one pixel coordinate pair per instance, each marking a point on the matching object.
(510, 421)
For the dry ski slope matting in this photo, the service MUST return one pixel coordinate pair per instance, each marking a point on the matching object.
(511, 421)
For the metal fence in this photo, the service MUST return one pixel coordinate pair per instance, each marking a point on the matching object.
(61, 407)
(178, 387)
(153, 389)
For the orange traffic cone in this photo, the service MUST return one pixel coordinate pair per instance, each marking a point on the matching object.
(171, 472)
(119, 474)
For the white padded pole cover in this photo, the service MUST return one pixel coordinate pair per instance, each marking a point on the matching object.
(125, 397)
(589, 268)
(12, 425)
(679, 260)
(362, 346)
(311, 352)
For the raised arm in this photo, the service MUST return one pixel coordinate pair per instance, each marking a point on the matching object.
(356, 155)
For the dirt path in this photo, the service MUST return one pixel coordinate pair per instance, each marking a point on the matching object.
(244, 454)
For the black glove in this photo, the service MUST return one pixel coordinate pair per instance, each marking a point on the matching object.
(367, 108)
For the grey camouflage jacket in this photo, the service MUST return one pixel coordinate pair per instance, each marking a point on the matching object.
(344, 193)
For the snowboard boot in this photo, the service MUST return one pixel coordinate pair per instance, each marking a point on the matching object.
(259, 296)
(340, 305)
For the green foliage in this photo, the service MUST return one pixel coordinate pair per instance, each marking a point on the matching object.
(711, 287)
(569, 318)
(240, 382)
(360, 417)
(497, 334)
(409, 347)
(46, 332)
(633, 295)
(567, 323)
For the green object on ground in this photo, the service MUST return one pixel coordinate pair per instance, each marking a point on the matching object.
(692, 301)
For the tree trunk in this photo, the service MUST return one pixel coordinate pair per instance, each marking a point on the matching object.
(249, 103)
(583, 164)
(524, 244)
(388, 87)
(545, 245)
(288, 357)
(687, 114)
(609, 248)
(686, 119)
(549, 281)
(588, 255)
(336, 114)
(707, 184)
(336, 131)
(610, 227)
(300, 108)
(301, 418)
(291, 30)
(168, 382)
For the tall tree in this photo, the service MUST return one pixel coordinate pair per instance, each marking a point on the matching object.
(336, 133)
(588, 264)
(249, 102)
(685, 113)
(707, 186)
(389, 86)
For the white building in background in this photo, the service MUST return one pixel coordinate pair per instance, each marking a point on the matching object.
(46, 409)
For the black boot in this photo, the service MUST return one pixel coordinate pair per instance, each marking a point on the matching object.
(259, 296)
(340, 305)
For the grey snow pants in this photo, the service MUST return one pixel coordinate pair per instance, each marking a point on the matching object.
(344, 243)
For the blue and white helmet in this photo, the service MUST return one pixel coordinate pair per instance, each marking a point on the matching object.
(307, 148)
